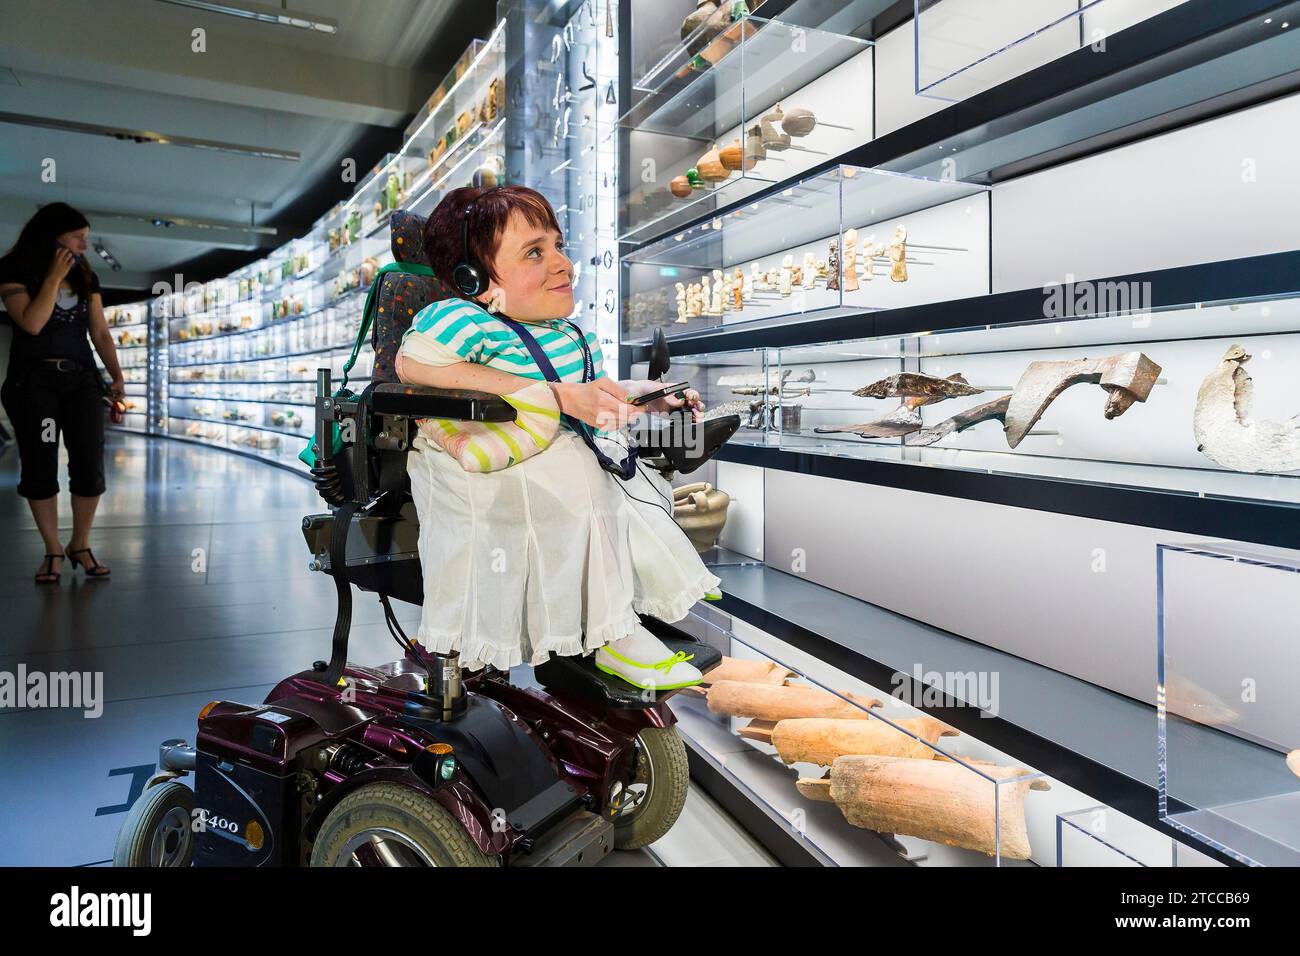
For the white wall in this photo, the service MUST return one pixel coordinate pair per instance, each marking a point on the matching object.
(1020, 580)
(1222, 189)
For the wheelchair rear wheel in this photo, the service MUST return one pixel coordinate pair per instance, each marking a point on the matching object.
(646, 807)
(387, 824)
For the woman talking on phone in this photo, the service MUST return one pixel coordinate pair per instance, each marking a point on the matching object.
(52, 387)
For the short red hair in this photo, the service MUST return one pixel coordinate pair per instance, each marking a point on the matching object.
(493, 207)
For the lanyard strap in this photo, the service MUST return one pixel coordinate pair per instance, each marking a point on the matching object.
(372, 302)
(625, 470)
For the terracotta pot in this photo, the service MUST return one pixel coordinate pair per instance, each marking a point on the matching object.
(700, 510)
(710, 168)
(734, 158)
(680, 187)
(931, 799)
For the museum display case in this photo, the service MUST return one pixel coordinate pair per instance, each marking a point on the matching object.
(857, 771)
(843, 241)
(129, 326)
(1196, 397)
(733, 383)
(964, 47)
(1228, 718)
(757, 104)
(242, 351)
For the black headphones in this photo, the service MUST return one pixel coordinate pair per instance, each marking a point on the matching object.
(469, 278)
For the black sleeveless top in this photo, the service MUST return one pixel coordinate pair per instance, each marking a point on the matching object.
(66, 335)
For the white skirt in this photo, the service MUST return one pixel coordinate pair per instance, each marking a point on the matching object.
(546, 555)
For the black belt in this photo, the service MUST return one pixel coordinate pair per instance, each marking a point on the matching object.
(62, 364)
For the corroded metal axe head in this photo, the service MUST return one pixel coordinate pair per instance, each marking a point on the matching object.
(1127, 378)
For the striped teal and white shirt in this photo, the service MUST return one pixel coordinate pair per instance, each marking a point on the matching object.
(457, 330)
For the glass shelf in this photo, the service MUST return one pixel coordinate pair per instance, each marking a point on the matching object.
(1228, 673)
(781, 99)
(964, 47)
(899, 240)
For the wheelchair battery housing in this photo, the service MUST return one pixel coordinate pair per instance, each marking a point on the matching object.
(246, 779)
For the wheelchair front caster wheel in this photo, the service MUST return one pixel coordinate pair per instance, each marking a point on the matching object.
(646, 808)
(158, 829)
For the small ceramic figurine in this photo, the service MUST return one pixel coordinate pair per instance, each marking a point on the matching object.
(796, 277)
(869, 252)
(809, 270)
(851, 261)
(821, 269)
(786, 274)
(773, 280)
(715, 297)
(754, 150)
(755, 277)
(833, 266)
(747, 289)
(738, 290)
(706, 296)
(898, 255)
(681, 302)
(726, 289)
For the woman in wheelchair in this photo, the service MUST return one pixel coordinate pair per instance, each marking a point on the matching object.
(530, 546)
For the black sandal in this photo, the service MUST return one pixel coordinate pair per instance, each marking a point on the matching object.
(95, 570)
(47, 574)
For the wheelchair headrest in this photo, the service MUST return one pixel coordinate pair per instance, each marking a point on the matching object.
(407, 231)
(401, 296)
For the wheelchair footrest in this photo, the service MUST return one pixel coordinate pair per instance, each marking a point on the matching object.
(578, 675)
(584, 839)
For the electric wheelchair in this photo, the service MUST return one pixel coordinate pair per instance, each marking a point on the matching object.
(419, 762)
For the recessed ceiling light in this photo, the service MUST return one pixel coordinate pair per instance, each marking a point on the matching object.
(263, 14)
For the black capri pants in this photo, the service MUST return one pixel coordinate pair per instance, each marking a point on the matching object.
(43, 403)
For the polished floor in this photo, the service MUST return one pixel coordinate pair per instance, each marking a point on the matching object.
(210, 597)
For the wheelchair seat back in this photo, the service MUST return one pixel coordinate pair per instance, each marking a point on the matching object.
(401, 296)
(400, 299)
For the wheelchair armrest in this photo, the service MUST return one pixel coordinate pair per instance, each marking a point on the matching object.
(422, 401)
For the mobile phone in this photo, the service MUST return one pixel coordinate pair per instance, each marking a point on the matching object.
(666, 390)
(76, 257)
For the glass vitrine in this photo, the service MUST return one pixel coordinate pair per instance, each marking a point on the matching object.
(964, 47)
(1193, 399)
(756, 104)
(1228, 717)
(129, 326)
(846, 240)
(861, 774)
